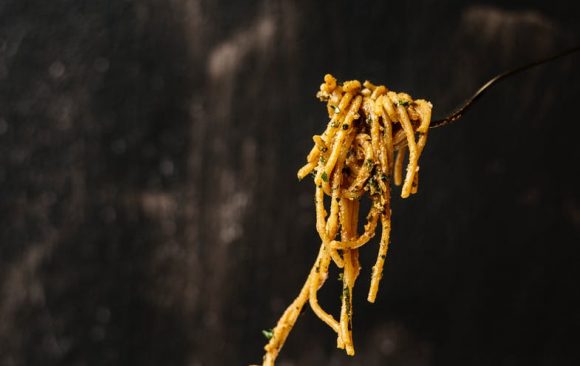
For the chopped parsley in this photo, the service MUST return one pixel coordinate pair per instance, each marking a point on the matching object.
(324, 176)
(268, 333)
(373, 186)
(404, 103)
(346, 296)
(313, 173)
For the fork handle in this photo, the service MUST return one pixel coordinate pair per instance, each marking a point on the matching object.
(468, 103)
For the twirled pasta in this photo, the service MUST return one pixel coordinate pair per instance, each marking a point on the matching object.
(353, 156)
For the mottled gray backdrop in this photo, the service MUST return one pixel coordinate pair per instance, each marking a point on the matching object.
(149, 207)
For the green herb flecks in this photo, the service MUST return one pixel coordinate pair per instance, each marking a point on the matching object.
(268, 333)
(373, 186)
(346, 296)
(324, 176)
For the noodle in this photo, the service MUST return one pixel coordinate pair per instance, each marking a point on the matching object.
(353, 156)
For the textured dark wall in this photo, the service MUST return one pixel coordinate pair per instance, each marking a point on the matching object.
(150, 213)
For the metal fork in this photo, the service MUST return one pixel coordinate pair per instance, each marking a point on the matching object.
(493, 81)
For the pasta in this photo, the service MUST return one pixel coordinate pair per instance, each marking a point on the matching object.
(355, 157)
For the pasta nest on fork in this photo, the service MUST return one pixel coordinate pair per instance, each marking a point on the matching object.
(371, 130)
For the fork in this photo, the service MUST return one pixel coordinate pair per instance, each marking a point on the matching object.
(459, 112)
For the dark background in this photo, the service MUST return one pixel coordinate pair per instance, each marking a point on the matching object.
(149, 207)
